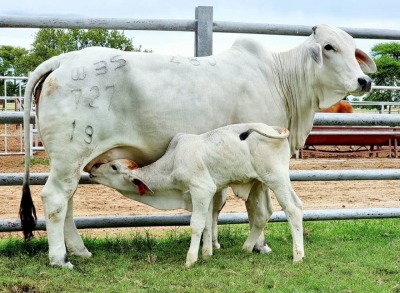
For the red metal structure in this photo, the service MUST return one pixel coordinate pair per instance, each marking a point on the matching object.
(369, 139)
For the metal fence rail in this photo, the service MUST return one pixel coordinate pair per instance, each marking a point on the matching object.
(184, 25)
(184, 219)
(15, 179)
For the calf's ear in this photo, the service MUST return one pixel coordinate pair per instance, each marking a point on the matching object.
(366, 63)
(141, 185)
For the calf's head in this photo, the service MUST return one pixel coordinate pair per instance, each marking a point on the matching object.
(340, 65)
(119, 174)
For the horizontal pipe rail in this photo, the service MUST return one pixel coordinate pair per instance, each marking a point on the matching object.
(15, 179)
(386, 87)
(320, 119)
(14, 77)
(341, 119)
(226, 218)
(182, 25)
(94, 23)
(299, 30)
(14, 118)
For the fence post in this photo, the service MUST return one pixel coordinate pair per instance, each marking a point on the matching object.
(204, 31)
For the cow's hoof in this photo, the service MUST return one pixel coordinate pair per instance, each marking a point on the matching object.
(61, 262)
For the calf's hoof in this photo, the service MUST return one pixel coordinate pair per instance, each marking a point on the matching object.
(82, 253)
(190, 260)
(298, 259)
(298, 255)
(216, 245)
(262, 250)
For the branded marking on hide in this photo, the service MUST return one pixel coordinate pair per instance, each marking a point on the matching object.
(101, 67)
(120, 62)
(78, 73)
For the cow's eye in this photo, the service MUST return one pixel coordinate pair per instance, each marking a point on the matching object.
(114, 167)
(329, 48)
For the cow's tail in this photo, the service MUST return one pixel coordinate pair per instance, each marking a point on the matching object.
(281, 133)
(27, 211)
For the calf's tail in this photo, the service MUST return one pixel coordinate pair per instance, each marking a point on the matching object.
(281, 133)
(27, 211)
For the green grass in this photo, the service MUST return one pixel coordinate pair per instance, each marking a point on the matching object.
(341, 256)
(37, 161)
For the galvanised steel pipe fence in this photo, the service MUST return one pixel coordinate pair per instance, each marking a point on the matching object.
(204, 26)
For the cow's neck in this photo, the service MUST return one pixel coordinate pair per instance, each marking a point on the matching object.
(294, 72)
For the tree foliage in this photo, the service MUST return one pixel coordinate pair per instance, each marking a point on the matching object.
(51, 42)
(387, 59)
(13, 62)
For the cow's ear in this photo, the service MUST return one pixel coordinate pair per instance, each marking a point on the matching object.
(315, 51)
(141, 185)
(367, 64)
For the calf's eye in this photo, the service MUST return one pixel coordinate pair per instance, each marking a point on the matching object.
(114, 167)
(329, 47)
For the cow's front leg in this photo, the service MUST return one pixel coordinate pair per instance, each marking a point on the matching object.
(73, 240)
(259, 210)
(201, 199)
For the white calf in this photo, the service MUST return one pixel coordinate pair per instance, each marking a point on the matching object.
(196, 167)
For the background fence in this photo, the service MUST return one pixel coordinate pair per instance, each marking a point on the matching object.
(203, 26)
(12, 136)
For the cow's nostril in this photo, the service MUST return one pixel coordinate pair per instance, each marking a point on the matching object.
(362, 81)
(365, 83)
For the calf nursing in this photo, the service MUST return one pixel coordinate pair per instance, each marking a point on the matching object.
(196, 167)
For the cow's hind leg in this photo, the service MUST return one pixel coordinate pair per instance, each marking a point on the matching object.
(55, 195)
(259, 210)
(73, 241)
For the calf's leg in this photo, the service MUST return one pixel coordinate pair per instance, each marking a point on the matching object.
(259, 210)
(219, 202)
(293, 208)
(201, 199)
(207, 250)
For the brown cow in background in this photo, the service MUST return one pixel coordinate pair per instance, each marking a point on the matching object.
(340, 107)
